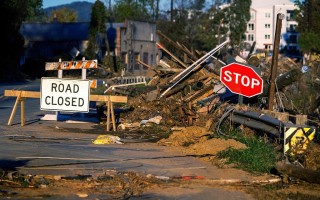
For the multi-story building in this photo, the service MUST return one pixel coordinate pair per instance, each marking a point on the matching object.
(262, 25)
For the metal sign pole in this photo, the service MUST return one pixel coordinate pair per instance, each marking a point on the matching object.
(83, 77)
(60, 74)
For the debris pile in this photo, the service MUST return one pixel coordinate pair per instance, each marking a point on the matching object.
(185, 91)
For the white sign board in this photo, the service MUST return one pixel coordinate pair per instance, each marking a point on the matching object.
(64, 95)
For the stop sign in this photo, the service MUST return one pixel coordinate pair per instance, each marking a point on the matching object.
(241, 79)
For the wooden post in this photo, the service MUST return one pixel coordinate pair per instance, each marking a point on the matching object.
(112, 116)
(22, 100)
(14, 109)
(190, 120)
(274, 64)
(108, 114)
(282, 116)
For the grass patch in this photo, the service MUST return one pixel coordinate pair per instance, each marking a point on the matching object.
(259, 156)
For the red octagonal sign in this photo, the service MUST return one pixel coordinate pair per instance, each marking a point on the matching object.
(241, 79)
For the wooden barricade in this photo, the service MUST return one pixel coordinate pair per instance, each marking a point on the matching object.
(22, 95)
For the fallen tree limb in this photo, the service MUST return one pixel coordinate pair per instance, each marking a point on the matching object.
(308, 175)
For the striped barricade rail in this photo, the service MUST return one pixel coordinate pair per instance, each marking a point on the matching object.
(69, 65)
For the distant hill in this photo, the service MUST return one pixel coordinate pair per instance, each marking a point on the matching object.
(83, 9)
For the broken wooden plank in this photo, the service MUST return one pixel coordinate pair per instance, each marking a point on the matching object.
(176, 90)
(144, 64)
(175, 58)
(178, 46)
(177, 79)
(208, 90)
(168, 69)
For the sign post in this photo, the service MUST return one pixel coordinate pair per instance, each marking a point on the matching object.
(64, 95)
(241, 79)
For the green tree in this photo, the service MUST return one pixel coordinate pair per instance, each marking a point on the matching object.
(239, 15)
(184, 24)
(63, 15)
(212, 30)
(194, 15)
(307, 16)
(97, 30)
(13, 13)
(133, 10)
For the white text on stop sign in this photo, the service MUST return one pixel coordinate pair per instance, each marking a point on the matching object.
(239, 78)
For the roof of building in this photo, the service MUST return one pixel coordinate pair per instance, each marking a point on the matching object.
(269, 3)
(57, 31)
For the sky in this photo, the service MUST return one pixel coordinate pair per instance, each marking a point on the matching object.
(50, 3)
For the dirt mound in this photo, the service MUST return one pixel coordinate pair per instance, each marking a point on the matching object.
(196, 140)
(213, 146)
(185, 136)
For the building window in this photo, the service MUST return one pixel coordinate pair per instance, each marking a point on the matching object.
(267, 15)
(266, 36)
(290, 14)
(251, 27)
(267, 25)
(145, 59)
(291, 27)
(251, 15)
(250, 37)
(136, 64)
(151, 59)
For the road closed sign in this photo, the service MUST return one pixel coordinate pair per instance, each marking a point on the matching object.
(64, 95)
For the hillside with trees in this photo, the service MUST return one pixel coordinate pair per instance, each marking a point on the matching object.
(82, 10)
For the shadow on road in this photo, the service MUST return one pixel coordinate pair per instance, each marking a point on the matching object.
(31, 121)
(12, 164)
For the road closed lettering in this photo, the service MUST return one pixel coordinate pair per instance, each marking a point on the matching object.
(65, 95)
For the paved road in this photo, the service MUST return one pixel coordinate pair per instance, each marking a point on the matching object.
(51, 147)
(6, 103)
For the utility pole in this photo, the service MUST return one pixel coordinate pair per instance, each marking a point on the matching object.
(274, 64)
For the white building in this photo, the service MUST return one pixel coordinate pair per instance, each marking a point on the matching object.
(262, 25)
